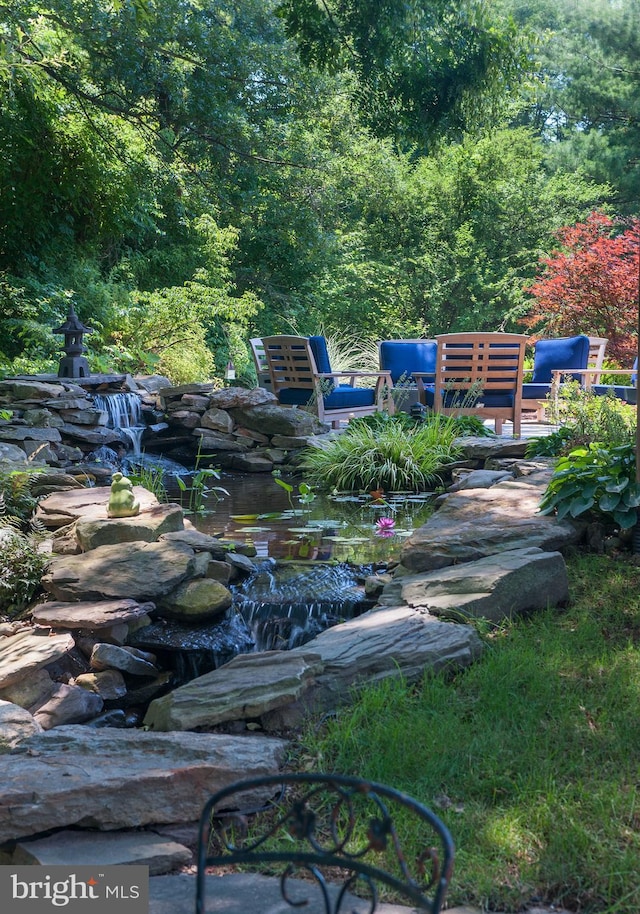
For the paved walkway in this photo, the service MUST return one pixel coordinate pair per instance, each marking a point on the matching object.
(239, 893)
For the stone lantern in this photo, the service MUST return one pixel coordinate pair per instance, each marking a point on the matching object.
(74, 364)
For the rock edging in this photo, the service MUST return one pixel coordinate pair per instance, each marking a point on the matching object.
(405, 633)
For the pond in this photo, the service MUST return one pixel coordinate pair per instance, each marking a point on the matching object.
(285, 525)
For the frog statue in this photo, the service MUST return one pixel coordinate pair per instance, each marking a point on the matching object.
(122, 501)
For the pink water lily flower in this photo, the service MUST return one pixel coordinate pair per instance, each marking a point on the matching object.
(385, 526)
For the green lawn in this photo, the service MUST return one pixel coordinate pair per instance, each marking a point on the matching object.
(531, 756)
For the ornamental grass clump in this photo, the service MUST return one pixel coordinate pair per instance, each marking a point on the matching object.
(389, 456)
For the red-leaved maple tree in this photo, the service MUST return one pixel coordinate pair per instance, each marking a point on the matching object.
(590, 285)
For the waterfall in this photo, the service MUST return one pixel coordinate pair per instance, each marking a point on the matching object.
(124, 413)
(285, 605)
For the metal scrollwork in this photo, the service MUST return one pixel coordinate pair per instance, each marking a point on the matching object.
(335, 833)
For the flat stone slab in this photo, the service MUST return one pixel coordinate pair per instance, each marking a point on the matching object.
(482, 448)
(69, 848)
(90, 614)
(382, 643)
(27, 651)
(87, 778)
(475, 523)
(496, 587)
(247, 687)
(76, 503)
(148, 526)
(140, 571)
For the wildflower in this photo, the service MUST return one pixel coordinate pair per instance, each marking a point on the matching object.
(385, 526)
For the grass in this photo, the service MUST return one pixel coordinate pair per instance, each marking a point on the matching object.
(385, 454)
(531, 756)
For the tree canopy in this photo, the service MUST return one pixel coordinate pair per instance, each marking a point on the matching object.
(194, 172)
(422, 67)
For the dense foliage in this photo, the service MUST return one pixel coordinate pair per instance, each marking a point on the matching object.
(195, 172)
(591, 284)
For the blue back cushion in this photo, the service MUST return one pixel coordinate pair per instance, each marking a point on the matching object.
(320, 353)
(401, 358)
(567, 352)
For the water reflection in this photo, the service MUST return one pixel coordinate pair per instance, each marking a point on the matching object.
(342, 528)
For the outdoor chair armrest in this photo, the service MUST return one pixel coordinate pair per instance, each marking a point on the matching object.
(588, 374)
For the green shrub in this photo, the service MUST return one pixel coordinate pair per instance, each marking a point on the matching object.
(385, 454)
(17, 503)
(590, 417)
(598, 481)
(21, 567)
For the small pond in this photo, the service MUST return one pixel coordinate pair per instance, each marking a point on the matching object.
(342, 528)
(313, 553)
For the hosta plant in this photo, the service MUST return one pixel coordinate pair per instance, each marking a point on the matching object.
(596, 481)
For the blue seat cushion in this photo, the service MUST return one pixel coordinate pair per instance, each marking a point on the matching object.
(535, 391)
(566, 352)
(343, 396)
(628, 394)
(402, 357)
(453, 399)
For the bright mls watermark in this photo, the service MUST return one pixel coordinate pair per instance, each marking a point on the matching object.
(74, 889)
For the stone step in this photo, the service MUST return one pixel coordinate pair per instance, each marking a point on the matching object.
(84, 848)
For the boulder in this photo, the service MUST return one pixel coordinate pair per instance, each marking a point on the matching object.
(496, 587)
(246, 687)
(16, 724)
(91, 848)
(199, 542)
(87, 778)
(474, 523)
(91, 614)
(217, 441)
(271, 420)
(16, 389)
(253, 463)
(140, 571)
(93, 435)
(395, 641)
(194, 601)
(66, 507)
(69, 704)
(11, 454)
(241, 398)
(31, 691)
(29, 650)
(148, 526)
(108, 684)
(484, 447)
(479, 479)
(217, 419)
(128, 659)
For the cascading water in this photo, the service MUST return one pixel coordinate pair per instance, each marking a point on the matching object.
(278, 607)
(124, 412)
(285, 605)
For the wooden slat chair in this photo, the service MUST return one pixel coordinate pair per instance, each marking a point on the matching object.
(301, 375)
(597, 349)
(478, 374)
(336, 831)
(261, 364)
(549, 356)
(401, 358)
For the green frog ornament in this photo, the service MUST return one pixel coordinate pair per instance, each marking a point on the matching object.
(122, 501)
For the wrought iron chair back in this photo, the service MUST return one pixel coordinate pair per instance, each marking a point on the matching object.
(341, 834)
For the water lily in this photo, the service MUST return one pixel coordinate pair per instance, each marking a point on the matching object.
(385, 526)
